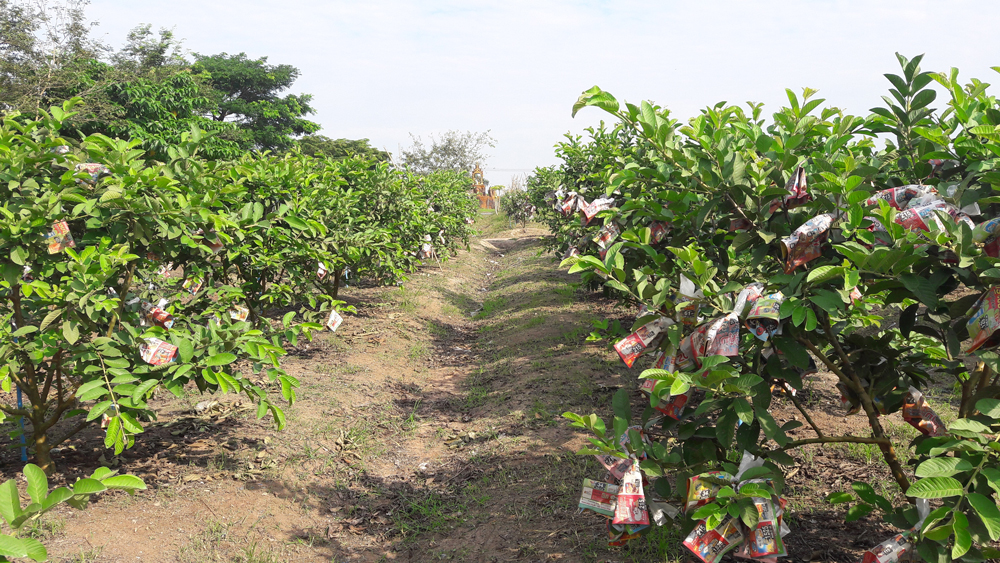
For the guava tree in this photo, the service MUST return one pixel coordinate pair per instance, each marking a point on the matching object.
(782, 211)
(88, 328)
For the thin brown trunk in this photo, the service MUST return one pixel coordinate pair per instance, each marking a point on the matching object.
(336, 282)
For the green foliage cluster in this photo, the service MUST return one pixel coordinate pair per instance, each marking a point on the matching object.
(517, 206)
(222, 243)
(146, 90)
(42, 500)
(720, 184)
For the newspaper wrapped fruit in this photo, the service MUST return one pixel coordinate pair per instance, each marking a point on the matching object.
(239, 313)
(589, 211)
(657, 232)
(571, 204)
(987, 233)
(798, 192)
(92, 169)
(607, 235)
(710, 545)
(718, 337)
(616, 466)
(598, 497)
(193, 284)
(925, 217)
(764, 540)
(156, 316)
(687, 300)
(156, 352)
(900, 198)
(60, 238)
(763, 318)
(983, 323)
(918, 414)
(673, 406)
(635, 344)
(630, 504)
(334, 322)
(804, 243)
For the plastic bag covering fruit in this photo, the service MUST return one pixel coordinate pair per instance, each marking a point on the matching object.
(983, 323)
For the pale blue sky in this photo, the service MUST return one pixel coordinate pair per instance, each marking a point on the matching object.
(384, 69)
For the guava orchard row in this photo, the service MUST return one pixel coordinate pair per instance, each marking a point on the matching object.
(620, 495)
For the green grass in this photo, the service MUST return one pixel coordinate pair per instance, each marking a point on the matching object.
(491, 306)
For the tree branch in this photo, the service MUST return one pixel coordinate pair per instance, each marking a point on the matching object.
(805, 414)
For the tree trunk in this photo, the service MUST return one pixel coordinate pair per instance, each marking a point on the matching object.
(43, 451)
(336, 282)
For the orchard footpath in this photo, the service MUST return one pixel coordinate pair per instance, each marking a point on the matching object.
(427, 428)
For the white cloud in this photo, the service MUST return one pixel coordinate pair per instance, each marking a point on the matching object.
(384, 69)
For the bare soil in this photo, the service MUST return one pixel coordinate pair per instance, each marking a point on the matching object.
(426, 428)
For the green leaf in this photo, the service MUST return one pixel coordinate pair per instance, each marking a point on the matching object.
(596, 97)
(19, 255)
(942, 467)
(988, 512)
(989, 407)
(935, 487)
(59, 494)
(88, 486)
(10, 503)
(125, 482)
(907, 319)
(35, 550)
(622, 405)
(222, 359)
(12, 547)
(71, 331)
(50, 318)
(867, 493)
(185, 348)
(839, 497)
(296, 223)
(38, 483)
(857, 512)
(963, 540)
(743, 410)
(824, 273)
(924, 290)
(143, 388)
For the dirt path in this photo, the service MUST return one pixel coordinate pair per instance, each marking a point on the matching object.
(427, 428)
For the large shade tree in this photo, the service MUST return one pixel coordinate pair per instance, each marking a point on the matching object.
(248, 94)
